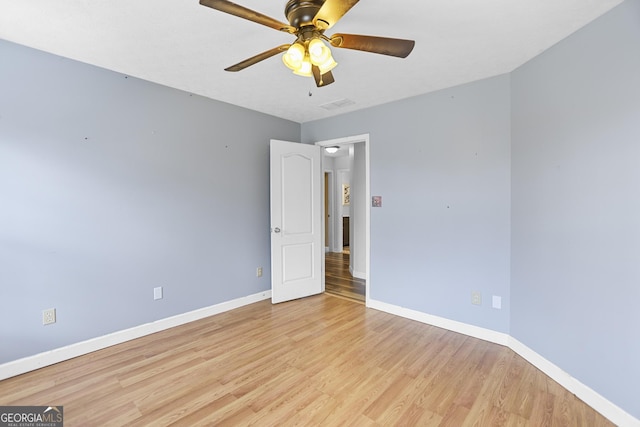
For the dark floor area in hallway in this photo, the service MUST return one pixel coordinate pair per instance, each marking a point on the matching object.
(339, 281)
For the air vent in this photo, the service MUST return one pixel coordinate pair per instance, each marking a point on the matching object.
(341, 103)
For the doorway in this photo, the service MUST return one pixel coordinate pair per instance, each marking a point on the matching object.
(346, 195)
(338, 278)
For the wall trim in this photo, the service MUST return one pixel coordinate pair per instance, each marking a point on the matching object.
(359, 275)
(592, 398)
(37, 361)
(441, 322)
(608, 409)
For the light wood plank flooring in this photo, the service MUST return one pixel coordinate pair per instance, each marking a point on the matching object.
(338, 279)
(318, 361)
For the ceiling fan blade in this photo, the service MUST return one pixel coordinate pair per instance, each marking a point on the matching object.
(331, 12)
(259, 57)
(382, 45)
(322, 79)
(251, 15)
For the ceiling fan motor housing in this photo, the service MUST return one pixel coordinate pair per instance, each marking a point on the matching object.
(300, 13)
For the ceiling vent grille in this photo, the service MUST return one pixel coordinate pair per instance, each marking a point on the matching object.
(341, 103)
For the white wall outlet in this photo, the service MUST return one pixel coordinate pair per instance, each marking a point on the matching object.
(259, 272)
(497, 302)
(476, 298)
(157, 293)
(49, 316)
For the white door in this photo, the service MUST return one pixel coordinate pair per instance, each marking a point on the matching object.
(296, 221)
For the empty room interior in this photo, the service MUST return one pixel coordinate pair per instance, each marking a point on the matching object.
(492, 219)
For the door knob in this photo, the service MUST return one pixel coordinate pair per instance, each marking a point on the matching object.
(277, 230)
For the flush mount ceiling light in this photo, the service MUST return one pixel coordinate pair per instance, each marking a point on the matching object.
(309, 55)
(331, 150)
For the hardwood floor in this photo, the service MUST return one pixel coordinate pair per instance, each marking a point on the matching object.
(318, 361)
(338, 279)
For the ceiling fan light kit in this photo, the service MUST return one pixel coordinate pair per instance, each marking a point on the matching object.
(308, 20)
(302, 56)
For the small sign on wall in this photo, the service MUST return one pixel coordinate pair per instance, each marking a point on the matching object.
(376, 201)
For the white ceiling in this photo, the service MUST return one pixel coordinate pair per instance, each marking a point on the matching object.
(184, 45)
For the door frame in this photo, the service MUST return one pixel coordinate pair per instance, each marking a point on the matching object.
(350, 140)
(330, 209)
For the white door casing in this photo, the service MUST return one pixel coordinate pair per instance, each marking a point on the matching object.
(296, 221)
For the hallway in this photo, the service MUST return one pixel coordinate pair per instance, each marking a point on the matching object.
(339, 281)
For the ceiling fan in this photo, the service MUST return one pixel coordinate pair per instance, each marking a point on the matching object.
(308, 55)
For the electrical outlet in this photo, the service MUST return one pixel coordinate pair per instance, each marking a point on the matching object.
(259, 272)
(476, 298)
(157, 293)
(49, 316)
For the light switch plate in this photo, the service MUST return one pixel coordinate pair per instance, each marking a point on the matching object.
(497, 302)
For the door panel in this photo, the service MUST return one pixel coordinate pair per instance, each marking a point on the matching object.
(296, 221)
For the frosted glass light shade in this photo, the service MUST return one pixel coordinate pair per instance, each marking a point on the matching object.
(319, 53)
(331, 150)
(328, 65)
(294, 56)
(305, 68)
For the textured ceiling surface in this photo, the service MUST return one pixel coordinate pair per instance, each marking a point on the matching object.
(184, 45)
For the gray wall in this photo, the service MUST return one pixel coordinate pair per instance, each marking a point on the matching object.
(441, 164)
(111, 186)
(576, 205)
(359, 206)
(558, 238)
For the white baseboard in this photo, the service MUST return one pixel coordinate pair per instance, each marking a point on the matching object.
(612, 412)
(21, 366)
(441, 322)
(608, 409)
(359, 275)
